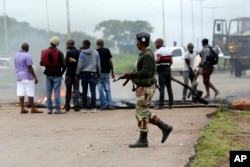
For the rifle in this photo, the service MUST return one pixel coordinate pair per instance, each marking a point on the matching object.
(125, 82)
(122, 77)
(196, 95)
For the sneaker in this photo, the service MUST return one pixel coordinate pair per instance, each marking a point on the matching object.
(84, 110)
(93, 110)
(50, 111)
(207, 97)
(159, 108)
(76, 109)
(35, 111)
(24, 111)
(59, 112)
(110, 108)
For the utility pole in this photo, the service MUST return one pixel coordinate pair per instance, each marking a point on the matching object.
(5, 29)
(201, 14)
(214, 8)
(68, 19)
(181, 25)
(163, 21)
(193, 19)
(47, 14)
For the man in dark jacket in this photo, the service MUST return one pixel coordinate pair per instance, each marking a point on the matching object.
(53, 61)
(72, 56)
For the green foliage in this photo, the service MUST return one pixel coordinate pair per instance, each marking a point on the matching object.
(217, 139)
(19, 32)
(119, 30)
(123, 63)
(123, 32)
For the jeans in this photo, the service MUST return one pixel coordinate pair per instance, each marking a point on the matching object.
(104, 86)
(164, 79)
(69, 82)
(53, 83)
(88, 78)
(186, 76)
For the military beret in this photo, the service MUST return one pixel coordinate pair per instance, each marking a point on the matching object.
(143, 37)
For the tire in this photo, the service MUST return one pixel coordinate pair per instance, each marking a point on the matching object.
(237, 69)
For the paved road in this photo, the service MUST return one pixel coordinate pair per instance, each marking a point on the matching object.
(101, 139)
(228, 85)
(96, 139)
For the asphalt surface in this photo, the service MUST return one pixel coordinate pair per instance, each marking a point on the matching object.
(101, 139)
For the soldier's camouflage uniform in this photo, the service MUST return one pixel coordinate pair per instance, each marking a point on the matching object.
(146, 85)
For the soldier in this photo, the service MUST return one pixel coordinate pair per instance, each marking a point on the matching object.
(145, 83)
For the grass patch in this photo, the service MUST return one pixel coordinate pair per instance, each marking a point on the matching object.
(218, 138)
(123, 63)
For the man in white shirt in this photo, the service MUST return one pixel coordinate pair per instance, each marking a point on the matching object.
(188, 68)
(163, 64)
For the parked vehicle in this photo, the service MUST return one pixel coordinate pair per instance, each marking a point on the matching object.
(234, 40)
(6, 64)
(178, 54)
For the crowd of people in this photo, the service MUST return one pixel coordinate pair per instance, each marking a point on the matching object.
(94, 68)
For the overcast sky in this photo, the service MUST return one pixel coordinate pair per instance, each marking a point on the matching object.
(86, 14)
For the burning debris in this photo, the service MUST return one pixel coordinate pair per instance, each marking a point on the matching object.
(241, 101)
(241, 104)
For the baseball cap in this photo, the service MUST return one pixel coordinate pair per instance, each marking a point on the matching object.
(55, 40)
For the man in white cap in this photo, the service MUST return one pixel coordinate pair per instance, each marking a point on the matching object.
(53, 61)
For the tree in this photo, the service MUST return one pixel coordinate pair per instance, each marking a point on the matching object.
(120, 30)
(123, 32)
(19, 32)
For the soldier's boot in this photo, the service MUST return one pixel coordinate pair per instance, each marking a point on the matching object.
(141, 142)
(166, 130)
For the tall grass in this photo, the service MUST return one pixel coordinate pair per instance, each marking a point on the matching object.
(218, 139)
(123, 63)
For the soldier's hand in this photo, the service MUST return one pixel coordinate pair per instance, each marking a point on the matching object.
(127, 75)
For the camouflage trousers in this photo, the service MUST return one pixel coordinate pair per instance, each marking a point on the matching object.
(143, 115)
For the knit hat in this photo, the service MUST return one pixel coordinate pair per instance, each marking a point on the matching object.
(55, 40)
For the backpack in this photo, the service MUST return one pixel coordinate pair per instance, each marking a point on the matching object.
(50, 57)
(213, 58)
